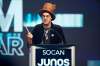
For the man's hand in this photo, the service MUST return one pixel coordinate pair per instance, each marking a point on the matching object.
(29, 37)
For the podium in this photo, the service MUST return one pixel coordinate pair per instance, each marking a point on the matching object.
(52, 55)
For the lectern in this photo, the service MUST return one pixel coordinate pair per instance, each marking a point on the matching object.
(52, 55)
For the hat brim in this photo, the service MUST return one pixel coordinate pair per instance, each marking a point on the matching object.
(52, 15)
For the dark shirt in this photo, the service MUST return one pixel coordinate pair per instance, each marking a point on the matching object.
(55, 35)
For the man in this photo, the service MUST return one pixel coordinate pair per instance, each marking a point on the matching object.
(47, 32)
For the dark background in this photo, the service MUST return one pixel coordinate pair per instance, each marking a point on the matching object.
(87, 38)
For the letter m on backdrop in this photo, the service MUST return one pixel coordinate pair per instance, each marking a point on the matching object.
(14, 14)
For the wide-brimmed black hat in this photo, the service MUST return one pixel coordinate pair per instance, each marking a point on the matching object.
(49, 8)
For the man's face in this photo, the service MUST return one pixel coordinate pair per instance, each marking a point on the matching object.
(46, 18)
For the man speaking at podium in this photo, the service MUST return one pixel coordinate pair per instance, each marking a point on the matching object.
(46, 32)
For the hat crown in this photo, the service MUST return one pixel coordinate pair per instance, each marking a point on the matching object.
(49, 7)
